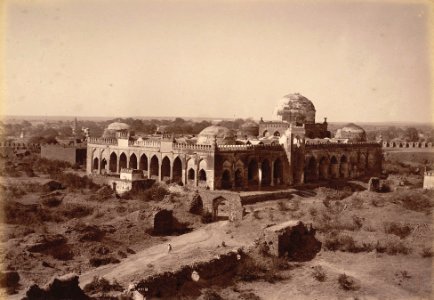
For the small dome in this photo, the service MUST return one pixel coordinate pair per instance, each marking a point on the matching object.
(295, 108)
(352, 132)
(220, 134)
(249, 129)
(118, 126)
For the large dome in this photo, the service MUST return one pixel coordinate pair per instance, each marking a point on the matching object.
(220, 134)
(352, 132)
(295, 108)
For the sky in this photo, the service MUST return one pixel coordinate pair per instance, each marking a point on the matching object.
(356, 61)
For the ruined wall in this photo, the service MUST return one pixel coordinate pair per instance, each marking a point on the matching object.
(69, 154)
(211, 200)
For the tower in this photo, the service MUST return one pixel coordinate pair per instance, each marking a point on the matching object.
(294, 144)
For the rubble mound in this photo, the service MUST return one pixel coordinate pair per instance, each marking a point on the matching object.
(64, 287)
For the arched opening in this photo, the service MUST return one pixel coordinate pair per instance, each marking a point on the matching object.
(252, 172)
(220, 209)
(122, 161)
(362, 162)
(113, 162)
(103, 164)
(143, 163)
(278, 172)
(343, 167)
(266, 173)
(133, 161)
(371, 162)
(238, 178)
(163, 222)
(323, 168)
(265, 133)
(95, 163)
(177, 170)
(311, 170)
(190, 174)
(154, 167)
(226, 180)
(165, 169)
(334, 167)
(276, 133)
(202, 175)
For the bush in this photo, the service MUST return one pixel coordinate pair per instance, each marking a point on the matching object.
(346, 243)
(319, 273)
(51, 167)
(357, 202)
(102, 285)
(51, 201)
(401, 230)
(347, 283)
(392, 247)
(196, 205)
(75, 210)
(100, 261)
(206, 217)
(282, 206)
(427, 252)
(414, 200)
(76, 182)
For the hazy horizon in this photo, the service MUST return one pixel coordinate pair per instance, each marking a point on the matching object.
(356, 61)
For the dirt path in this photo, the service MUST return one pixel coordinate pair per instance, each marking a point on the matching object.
(198, 245)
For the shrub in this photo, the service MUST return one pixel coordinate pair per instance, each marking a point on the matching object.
(100, 261)
(75, 210)
(357, 202)
(196, 205)
(51, 167)
(256, 214)
(427, 252)
(282, 206)
(211, 295)
(313, 211)
(358, 221)
(413, 200)
(346, 243)
(347, 283)
(102, 285)
(51, 201)
(319, 273)
(401, 230)
(75, 182)
(392, 247)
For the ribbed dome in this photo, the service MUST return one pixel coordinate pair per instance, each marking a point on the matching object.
(118, 126)
(220, 134)
(295, 108)
(352, 132)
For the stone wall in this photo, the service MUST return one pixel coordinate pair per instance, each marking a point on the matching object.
(71, 154)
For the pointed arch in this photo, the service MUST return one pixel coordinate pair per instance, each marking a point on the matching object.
(191, 174)
(323, 168)
(154, 167)
(266, 172)
(226, 183)
(165, 168)
(334, 167)
(311, 170)
(113, 163)
(239, 178)
(133, 161)
(278, 171)
(122, 161)
(95, 163)
(252, 172)
(202, 175)
(343, 167)
(177, 170)
(143, 162)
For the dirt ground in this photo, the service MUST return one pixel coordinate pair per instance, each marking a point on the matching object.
(381, 241)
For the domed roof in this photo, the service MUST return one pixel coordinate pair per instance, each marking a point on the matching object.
(352, 132)
(249, 129)
(221, 134)
(118, 126)
(296, 108)
(249, 124)
(351, 127)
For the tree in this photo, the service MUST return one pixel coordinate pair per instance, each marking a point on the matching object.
(411, 134)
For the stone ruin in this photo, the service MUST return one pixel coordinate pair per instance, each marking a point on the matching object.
(292, 239)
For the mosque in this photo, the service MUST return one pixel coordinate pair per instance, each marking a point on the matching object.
(291, 150)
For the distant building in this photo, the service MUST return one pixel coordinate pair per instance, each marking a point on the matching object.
(428, 180)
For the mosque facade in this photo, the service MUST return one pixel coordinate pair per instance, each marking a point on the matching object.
(290, 150)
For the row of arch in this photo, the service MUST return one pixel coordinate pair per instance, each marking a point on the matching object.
(267, 133)
(407, 145)
(256, 174)
(334, 167)
(152, 168)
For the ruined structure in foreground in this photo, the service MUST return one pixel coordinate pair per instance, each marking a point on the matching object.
(272, 154)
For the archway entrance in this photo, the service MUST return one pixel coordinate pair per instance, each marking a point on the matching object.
(122, 161)
(103, 164)
(95, 164)
(323, 168)
(143, 163)
(133, 161)
(278, 172)
(113, 162)
(226, 183)
(165, 169)
(202, 175)
(252, 172)
(220, 209)
(334, 167)
(266, 173)
(311, 170)
(191, 175)
(238, 178)
(154, 167)
(177, 170)
(343, 167)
